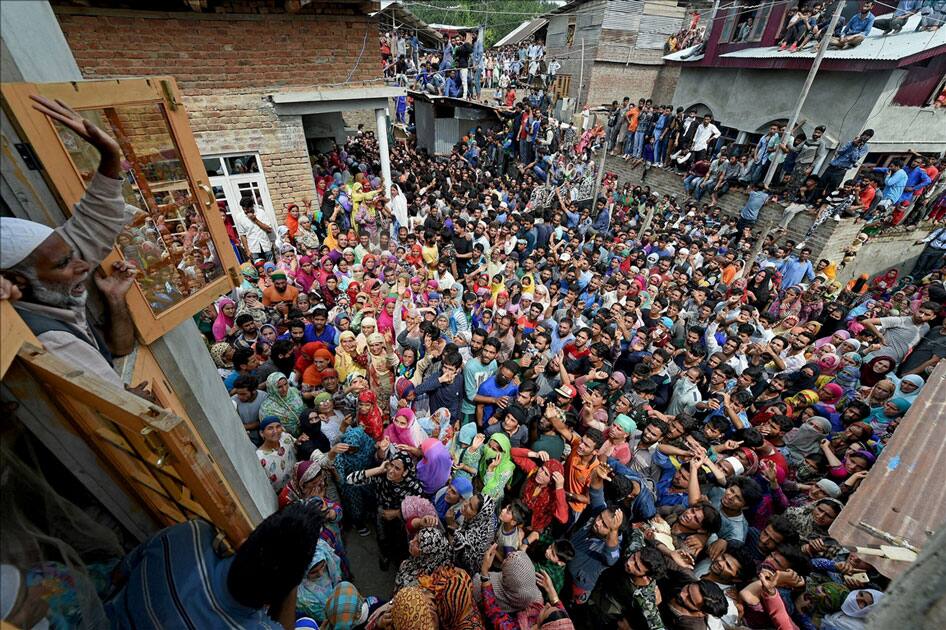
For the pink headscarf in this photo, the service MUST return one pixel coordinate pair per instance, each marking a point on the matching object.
(385, 321)
(396, 434)
(222, 322)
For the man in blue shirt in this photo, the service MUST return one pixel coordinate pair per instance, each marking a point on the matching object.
(797, 270)
(895, 180)
(498, 390)
(846, 158)
(858, 27)
(182, 579)
(750, 212)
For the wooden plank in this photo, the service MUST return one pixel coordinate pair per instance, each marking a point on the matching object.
(13, 334)
(120, 406)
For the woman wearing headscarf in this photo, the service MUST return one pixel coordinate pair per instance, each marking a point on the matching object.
(475, 532)
(393, 480)
(544, 492)
(829, 395)
(346, 609)
(878, 369)
(467, 451)
(282, 401)
(381, 364)
(805, 378)
(433, 469)
(759, 290)
(452, 591)
(222, 355)
(277, 453)
(360, 455)
(369, 414)
(311, 437)
(305, 238)
(251, 304)
(348, 360)
(909, 387)
(223, 324)
(509, 594)
(321, 578)
(306, 275)
(404, 432)
(805, 440)
(428, 550)
(856, 607)
(496, 466)
(813, 519)
(891, 411)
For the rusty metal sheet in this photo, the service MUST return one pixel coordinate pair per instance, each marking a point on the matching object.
(905, 493)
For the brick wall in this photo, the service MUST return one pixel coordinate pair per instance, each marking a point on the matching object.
(227, 64)
(614, 81)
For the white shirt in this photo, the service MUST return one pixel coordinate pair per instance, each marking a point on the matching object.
(256, 237)
(703, 135)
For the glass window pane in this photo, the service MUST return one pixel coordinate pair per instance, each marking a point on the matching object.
(242, 164)
(169, 241)
(213, 166)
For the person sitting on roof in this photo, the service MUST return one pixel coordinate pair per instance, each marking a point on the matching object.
(858, 27)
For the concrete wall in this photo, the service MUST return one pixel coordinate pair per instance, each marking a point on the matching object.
(749, 100)
(881, 253)
(845, 102)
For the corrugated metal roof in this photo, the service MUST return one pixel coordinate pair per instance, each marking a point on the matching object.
(680, 54)
(524, 30)
(875, 47)
(904, 494)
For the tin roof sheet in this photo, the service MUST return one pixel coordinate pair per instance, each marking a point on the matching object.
(904, 494)
(875, 47)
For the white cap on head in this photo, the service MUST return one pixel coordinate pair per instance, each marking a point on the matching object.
(737, 467)
(18, 239)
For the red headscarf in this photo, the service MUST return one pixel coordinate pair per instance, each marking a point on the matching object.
(539, 499)
(372, 421)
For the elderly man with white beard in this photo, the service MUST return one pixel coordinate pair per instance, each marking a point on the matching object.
(46, 271)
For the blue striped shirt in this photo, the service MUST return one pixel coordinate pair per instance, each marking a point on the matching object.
(177, 580)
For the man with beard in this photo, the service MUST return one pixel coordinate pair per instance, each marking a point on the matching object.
(48, 270)
(497, 391)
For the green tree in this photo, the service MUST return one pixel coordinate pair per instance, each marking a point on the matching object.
(498, 17)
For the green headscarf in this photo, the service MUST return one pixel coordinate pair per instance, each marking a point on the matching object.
(287, 408)
(494, 480)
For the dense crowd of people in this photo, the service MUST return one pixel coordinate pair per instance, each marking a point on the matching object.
(560, 415)
(551, 410)
(463, 68)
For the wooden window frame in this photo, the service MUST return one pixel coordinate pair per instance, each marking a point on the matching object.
(64, 178)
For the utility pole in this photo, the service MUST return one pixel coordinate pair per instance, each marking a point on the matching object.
(604, 155)
(822, 49)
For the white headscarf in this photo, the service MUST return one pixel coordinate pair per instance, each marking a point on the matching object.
(852, 616)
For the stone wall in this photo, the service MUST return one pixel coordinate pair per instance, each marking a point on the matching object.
(227, 64)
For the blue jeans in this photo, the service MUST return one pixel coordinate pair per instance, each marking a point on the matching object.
(701, 188)
(662, 149)
(629, 143)
(691, 182)
(525, 151)
(638, 143)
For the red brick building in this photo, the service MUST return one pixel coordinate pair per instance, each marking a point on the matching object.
(232, 60)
